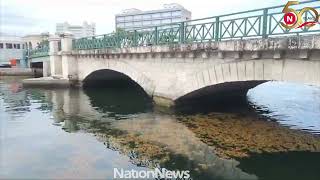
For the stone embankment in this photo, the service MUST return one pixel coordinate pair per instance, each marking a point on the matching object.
(20, 72)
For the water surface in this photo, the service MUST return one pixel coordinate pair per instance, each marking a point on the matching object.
(72, 133)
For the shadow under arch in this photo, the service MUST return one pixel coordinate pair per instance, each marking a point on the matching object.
(222, 97)
(115, 93)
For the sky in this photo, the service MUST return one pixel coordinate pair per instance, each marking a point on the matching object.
(21, 17)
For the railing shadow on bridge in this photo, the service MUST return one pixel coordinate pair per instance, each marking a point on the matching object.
(258, 23)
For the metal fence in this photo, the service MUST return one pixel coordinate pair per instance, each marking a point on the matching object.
(40, 51)
(257, 23)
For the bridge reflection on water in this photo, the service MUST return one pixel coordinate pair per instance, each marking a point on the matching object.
(228, 145)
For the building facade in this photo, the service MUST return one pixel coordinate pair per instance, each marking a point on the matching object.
(135, 19)
(77, 30)
(12, 50)
(32, 41)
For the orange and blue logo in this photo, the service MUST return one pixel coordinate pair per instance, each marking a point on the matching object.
(293, 19)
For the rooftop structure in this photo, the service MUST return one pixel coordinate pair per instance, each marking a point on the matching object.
(78, 31)
(131, 19)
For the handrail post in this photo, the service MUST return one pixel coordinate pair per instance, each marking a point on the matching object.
(182, 32)
(156, 35)
(217, 33)
(104, 44)
(135, 38)
(118, 37)
(265, 23)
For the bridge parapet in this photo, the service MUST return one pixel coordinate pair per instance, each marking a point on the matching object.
(300, 47)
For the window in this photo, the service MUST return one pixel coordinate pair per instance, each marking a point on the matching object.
(166, 21)
(121, 25)
(176, 13)
(1, 45)
(156, 22)
(8, 46)
(120, 19)
(128, 18)
(129, 24)
(176, 20)
(166, 14)
(17, 46)
(147, 16)
(156, 15)
(138, 23)
(137, 17)
(146, 22)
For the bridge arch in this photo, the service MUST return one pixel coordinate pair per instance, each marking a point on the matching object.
(234, 79)
(99, 69)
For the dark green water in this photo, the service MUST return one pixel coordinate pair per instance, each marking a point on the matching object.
(84, 134)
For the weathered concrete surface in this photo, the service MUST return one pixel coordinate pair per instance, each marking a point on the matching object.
(55, 59)
(170, 72)
(46, 69)
(46, 82)
(16, 72)
(45, 60)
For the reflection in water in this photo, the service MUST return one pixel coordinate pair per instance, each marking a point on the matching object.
(212, 146)
(119, 101)
(289, 165)
(295, 106)
(171, 137)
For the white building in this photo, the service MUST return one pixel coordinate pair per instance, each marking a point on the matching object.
(11, 48)
(32, 41)
(77, 30)
(134, 19)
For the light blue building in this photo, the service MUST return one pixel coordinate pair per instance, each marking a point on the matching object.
(12, 48)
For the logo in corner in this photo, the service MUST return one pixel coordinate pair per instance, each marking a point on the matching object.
(294, 19)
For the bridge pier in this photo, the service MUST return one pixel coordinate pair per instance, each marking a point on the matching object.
(46, 69)
(54, 58)
(69, 63)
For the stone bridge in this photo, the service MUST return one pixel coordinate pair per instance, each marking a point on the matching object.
(176, 73)
(222, 56)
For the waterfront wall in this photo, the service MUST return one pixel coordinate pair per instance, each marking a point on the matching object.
(19, 72)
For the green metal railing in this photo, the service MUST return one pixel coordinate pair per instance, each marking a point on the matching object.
(41, 51)
(255, 23)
